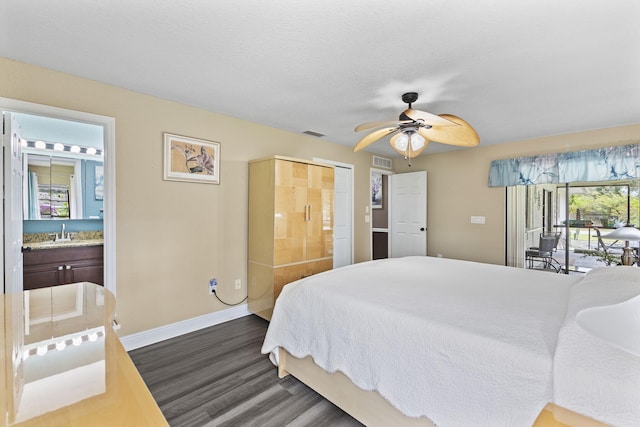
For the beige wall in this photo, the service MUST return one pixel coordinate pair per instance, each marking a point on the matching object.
(458, 189)
(173, 236)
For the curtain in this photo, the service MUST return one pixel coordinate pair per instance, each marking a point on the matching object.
(516, 227)
(34, 205)
(603, 164)
(75, 197)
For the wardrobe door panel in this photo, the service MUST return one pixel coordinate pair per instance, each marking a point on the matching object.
(290, 231)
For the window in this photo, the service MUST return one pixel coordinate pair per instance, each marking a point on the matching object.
(597, 206)
(606, 206)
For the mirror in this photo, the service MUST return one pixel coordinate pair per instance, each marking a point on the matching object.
(62, 187)
(62, 168)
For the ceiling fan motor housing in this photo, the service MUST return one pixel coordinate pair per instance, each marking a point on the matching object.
(410, 98)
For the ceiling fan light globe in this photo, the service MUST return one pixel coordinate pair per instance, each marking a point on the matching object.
(417, 141)
(401, 142)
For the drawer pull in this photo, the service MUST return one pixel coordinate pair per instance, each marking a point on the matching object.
(60, 267)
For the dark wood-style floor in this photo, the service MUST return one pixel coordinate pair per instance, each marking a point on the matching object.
(218, 377)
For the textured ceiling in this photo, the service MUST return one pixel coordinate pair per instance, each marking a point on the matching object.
(513, 70)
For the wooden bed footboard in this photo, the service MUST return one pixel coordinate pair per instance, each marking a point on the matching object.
(373, 410)
(368, 407)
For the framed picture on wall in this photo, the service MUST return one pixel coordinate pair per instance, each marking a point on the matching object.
(191, 159)
(376, 190)
(99, 182)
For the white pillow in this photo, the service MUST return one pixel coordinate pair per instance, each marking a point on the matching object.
(592, 376)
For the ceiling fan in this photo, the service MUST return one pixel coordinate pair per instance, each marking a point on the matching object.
(413, 130)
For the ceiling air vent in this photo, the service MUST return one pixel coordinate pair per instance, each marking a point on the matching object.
(313, 133)
(382, 162)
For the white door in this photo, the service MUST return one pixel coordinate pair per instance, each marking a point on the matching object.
(408, 214)
(12, 221)
(342, 212)
(342, 217)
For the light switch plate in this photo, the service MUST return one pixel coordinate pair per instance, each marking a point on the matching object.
(477, 220)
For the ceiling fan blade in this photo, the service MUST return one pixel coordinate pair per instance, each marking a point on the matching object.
(426, 133)
(371, 125)
(428, 118)
(373, 137)
(463, 135)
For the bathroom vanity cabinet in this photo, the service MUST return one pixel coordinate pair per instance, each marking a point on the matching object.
(58, 266)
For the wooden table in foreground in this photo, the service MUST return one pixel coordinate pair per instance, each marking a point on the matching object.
(556, 416)
(63, 365)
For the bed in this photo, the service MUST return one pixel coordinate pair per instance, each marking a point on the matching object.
(431, 341)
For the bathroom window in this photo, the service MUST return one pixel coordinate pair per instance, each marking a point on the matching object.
(54, 201)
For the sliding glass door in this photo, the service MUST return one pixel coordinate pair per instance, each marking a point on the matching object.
(581, 213)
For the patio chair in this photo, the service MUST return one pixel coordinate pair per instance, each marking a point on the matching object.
(544, 252)
(557, 237)
(609, 251)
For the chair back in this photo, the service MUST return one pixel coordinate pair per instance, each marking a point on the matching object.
(547, 244)
(601, 245)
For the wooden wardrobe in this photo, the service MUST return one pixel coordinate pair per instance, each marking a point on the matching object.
(290, 226)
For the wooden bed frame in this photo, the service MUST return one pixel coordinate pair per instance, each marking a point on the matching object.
(368, 407)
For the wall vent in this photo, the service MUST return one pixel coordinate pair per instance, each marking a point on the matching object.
(382, 162)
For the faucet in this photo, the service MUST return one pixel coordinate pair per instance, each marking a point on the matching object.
(62, 237)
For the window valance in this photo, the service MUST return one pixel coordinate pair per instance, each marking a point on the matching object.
(602, 164)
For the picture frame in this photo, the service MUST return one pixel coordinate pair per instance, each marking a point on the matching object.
(191, 159)
(98, 186)
(376, 190)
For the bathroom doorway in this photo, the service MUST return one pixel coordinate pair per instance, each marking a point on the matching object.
(59, 139)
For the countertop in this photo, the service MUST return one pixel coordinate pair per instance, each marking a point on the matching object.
(63, 244)
(64, 364)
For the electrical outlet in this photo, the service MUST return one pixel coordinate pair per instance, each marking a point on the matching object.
(212, 285)
(237, 284)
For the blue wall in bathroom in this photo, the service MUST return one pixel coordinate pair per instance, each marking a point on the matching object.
(92, 207)
(54, 225)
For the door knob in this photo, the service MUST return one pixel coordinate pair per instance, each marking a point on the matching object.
(421, 228)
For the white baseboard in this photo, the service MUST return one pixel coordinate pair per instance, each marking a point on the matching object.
(152, 336)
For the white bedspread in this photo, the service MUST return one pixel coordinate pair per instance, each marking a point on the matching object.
(462, 343)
